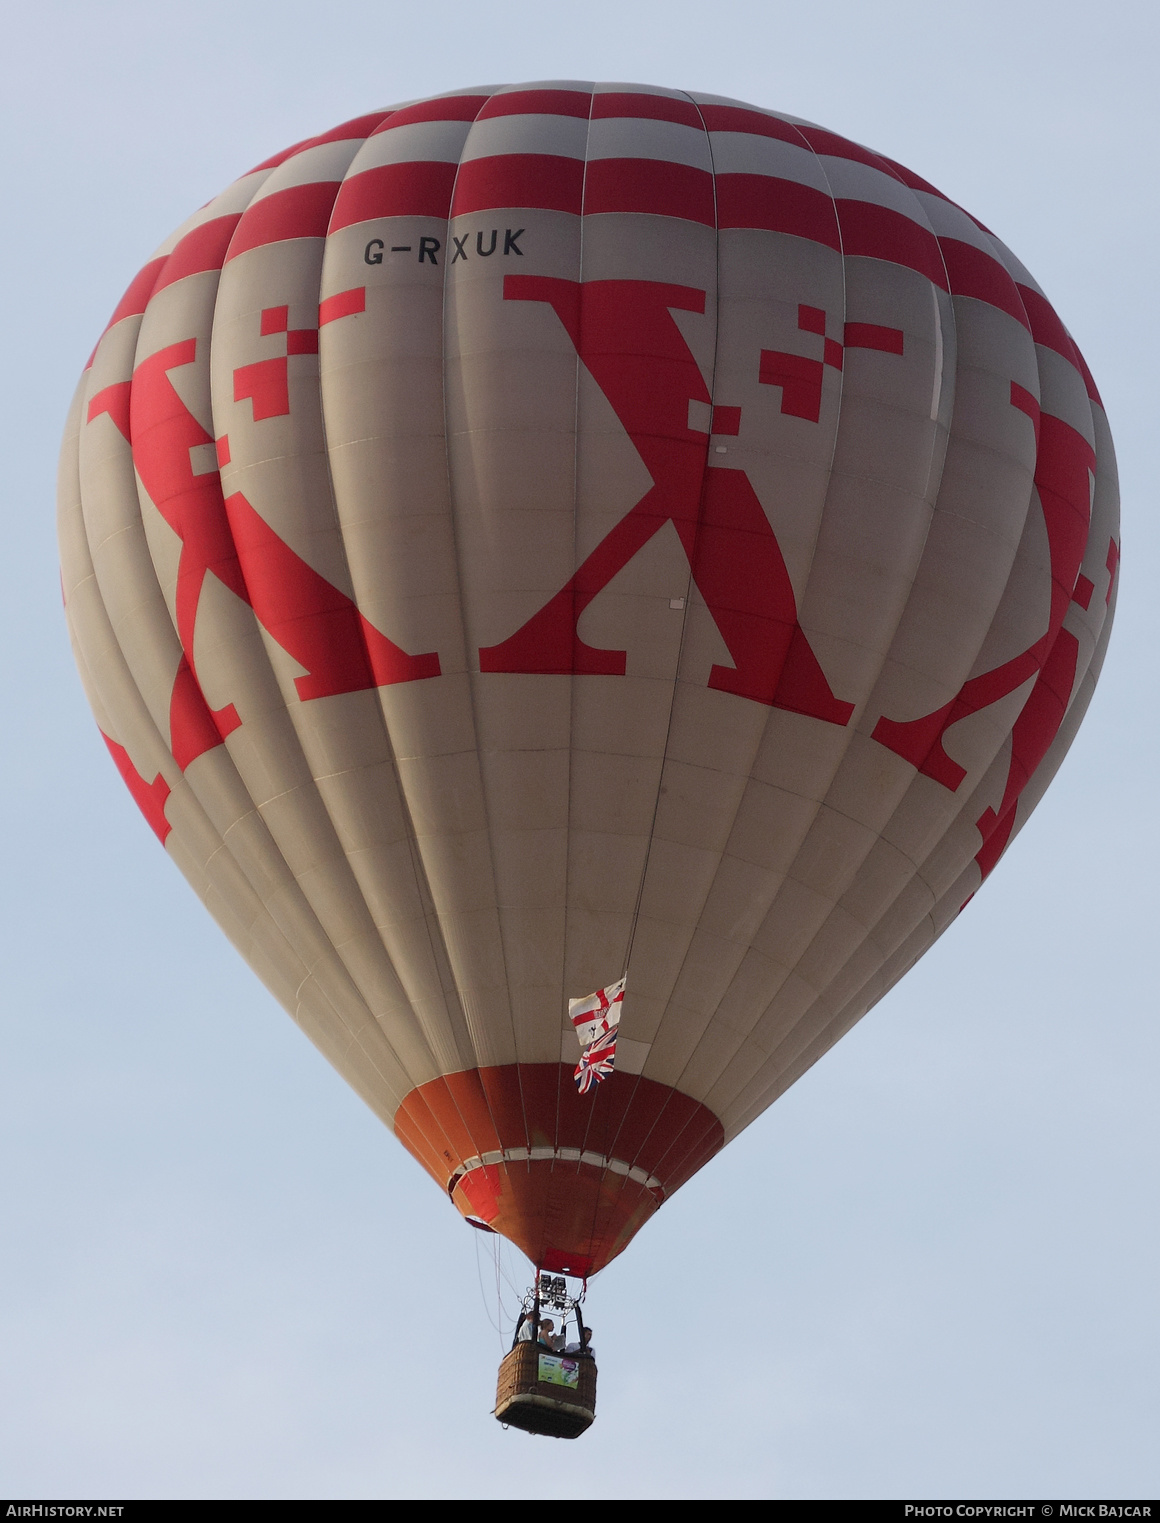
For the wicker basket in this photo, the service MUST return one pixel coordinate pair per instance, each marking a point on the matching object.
(535, 1391)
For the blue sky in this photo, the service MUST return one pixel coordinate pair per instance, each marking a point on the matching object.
(929, 1270)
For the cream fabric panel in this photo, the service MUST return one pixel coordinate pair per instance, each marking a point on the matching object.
(241, 784)
(721, 820)
(510, 378)
(886, 450)
(382, 398)
(236, 869)
(320, 770)
(321, 1003)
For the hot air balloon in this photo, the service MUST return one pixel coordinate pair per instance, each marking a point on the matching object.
(547, 535)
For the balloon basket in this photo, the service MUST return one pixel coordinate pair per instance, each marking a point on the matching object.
(546, 1393)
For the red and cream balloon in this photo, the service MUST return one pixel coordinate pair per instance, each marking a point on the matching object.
(537, 533)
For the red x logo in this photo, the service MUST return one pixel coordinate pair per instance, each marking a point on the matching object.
(625, 333)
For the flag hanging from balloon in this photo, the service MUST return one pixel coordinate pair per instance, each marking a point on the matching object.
(595, 1020)
(596, 1062)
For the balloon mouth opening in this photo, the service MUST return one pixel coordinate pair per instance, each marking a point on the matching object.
(567, 1219)
(569, 1179)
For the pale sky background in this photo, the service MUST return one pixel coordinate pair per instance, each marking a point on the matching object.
(931, 1269)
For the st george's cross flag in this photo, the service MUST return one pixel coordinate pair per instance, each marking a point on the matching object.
(595, 1020)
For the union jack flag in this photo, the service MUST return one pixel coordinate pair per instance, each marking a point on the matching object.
(596, 1061)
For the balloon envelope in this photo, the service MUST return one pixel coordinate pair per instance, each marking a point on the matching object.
(540, 534)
